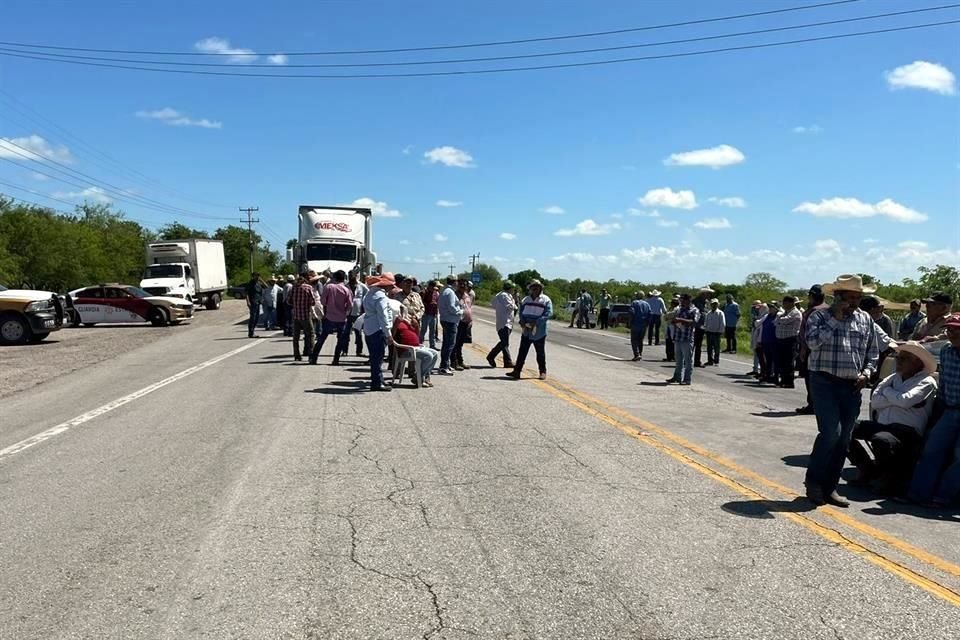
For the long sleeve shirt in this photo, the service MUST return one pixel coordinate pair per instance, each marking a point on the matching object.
(908, 402)
(377, 315)
(359, 292)
(657, 306)
(504, 306)
(450, 308)
(927, 329)
(337, 302)
(303, 299)
(534, 316)
(909, 323)
(714, 321)
(788, 324)
(731, 314)
(684, 332)
(843, 348)
(950, 377)
(414, 304)
(640, 313)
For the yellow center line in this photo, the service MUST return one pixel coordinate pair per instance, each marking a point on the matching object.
(582, 401)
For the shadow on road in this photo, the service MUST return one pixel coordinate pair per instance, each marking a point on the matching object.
(776, 414)
(766, 508)
(798, 460)
(886, 507)
(647, 383)
(341, 387)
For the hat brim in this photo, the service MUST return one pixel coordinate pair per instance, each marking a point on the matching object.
(831, 287)
(655, 293)
(916, 349)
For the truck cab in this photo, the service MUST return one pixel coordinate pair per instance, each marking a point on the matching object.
(174, 279)
(28, 316)
(334, 239)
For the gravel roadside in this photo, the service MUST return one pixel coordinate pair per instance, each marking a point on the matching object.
(70, 349)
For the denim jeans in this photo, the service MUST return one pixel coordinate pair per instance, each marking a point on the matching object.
(449, 342)
(698, 335)
(254, 310)
(377, 346)
(837, 404)
(428, 325)
(730, 333)
(502, 347)
(637, 334)
(653, 336)
(305, 327)
(683, 353)
(941, 453)
(337, 329)
(539, 346)
(357, 337)
(670, 349)
(713, 347)
(269, 317)
(288, 320)
(786, 351)
(427, 359)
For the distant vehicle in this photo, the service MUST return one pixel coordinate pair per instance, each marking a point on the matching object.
(335, 238)
(240, 293)
(570, 306)
(193, 269)
(125, 304)
(28, 316)
(619, 314)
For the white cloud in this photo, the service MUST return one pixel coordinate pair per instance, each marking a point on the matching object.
(221, 47)
(439, 237)
(826, 248)
(39, 177)
(553, 210)
(450, 157)
(811, 129)
(90, 193)
(508, 236)
(404, 243)
(588, 228)
(715, 157)
(175, 118)
(870, 241)
(277, 58)
(733, 202)
(444, 257)
(713, 223)
(449, 203)
(407, 150)
(379, 208)
(33, 147)
(667, 224)
(616, 216)
(923, 75)
(667, 197)
(913, 245)
(854, 208)
(642, 213)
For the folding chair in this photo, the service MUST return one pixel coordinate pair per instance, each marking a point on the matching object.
(406, 355)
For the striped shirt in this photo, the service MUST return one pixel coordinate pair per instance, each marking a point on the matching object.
(684, 332)
(843, 348)
(788, 324)
(950, 376)
(303, 299)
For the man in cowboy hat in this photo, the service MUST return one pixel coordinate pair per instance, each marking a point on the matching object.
(843, 355)
(933, 328)
(535, 312)
(657, 309)
(700, 302)
(668, 317)
(932, 483)
(378, 319)
(885, 449)
(303, 301)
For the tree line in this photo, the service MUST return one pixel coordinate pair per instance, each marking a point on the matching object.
(45, 249)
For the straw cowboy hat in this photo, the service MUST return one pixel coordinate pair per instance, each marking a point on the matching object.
(655, 293)
(847, 282)
(916, 349)
(386, 279)
(534, 283)
(707, 290)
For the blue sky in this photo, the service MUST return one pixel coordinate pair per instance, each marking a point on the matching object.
(844, 153)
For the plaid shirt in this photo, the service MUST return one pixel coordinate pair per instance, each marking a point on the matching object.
(788, 324)
(950, 376)
(303, 299)
(843, 348)
(684, 332)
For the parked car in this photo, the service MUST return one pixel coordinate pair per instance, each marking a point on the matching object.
(27, 315)
(619, 314)
(238, 293)
(125, 304)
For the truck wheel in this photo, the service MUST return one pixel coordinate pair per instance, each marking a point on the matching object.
(157, 317)
(13, 330)
(213, 302)
(39, 337)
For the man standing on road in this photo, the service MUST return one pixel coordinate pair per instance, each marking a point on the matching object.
(535, 312)
(428, 324)
(450, 310)
(814, 302)
(640, 317)
(713, 327)
(910, 321)
(684, 324)
(287, 305)
(504, 306)
(412, 301)
(586, 308)
(731, 316)
(657, 309)
(574, 313)
(303, 300)
(464, 329)
(787, 330)
(605, 299)
(843, 355)
(337, 302)
(270, 304)
(357, 291)
(670, 329)
(378, 327)
(700, 302)
(934, 327)
(254, 295)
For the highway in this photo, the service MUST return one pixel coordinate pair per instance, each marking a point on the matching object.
(203, 485)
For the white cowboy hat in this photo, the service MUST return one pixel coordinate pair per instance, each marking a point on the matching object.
(707, 290)
(655, 292)
(847, 282)
(917, 349)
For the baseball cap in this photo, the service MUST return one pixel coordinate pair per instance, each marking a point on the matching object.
(939, 296)
(868, 303)
(953, 321)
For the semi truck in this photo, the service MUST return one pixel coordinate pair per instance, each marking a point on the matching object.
(193, 269)
(335, 238)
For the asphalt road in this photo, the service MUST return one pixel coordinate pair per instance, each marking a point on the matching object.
(204, 486)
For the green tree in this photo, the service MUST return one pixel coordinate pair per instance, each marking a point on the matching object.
(177, 231)
(523, 278)
(940, 278)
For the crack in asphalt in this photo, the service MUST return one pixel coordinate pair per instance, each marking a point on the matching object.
(437, 609)
(836, 632)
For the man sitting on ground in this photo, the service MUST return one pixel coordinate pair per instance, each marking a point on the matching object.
(885, 449)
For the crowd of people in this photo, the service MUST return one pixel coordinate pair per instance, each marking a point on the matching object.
(909, 448)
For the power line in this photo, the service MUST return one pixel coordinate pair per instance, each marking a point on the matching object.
(524, 56)
(496, 43)
(464, 72)
(60, 211)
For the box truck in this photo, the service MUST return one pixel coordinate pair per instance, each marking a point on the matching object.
(193, 269)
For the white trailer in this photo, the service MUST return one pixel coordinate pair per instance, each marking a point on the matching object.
(335, 238)
(193, 269)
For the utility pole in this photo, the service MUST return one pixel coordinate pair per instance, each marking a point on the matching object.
(250, 220)
(437, 275)
(452, 267)
(473, 262)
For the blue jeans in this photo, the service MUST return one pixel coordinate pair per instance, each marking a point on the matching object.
(683, 353)
(449, 342)
(836, 403)
(377, 346)
(254, 310)
(336, 328)
(943, 445)
(269, 317)
(428, 324)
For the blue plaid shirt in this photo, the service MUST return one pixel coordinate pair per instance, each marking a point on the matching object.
(843, 348)
(684, 332)
(950, 376)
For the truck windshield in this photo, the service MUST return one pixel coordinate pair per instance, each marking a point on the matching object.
(337, 252)
(164, 271)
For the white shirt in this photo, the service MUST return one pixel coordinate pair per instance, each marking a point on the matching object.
(504, 304)
(895, 400)
(714, 321)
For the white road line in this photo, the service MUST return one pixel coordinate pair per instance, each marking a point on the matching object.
(486, 321)
(596, 353)
(63, 427)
